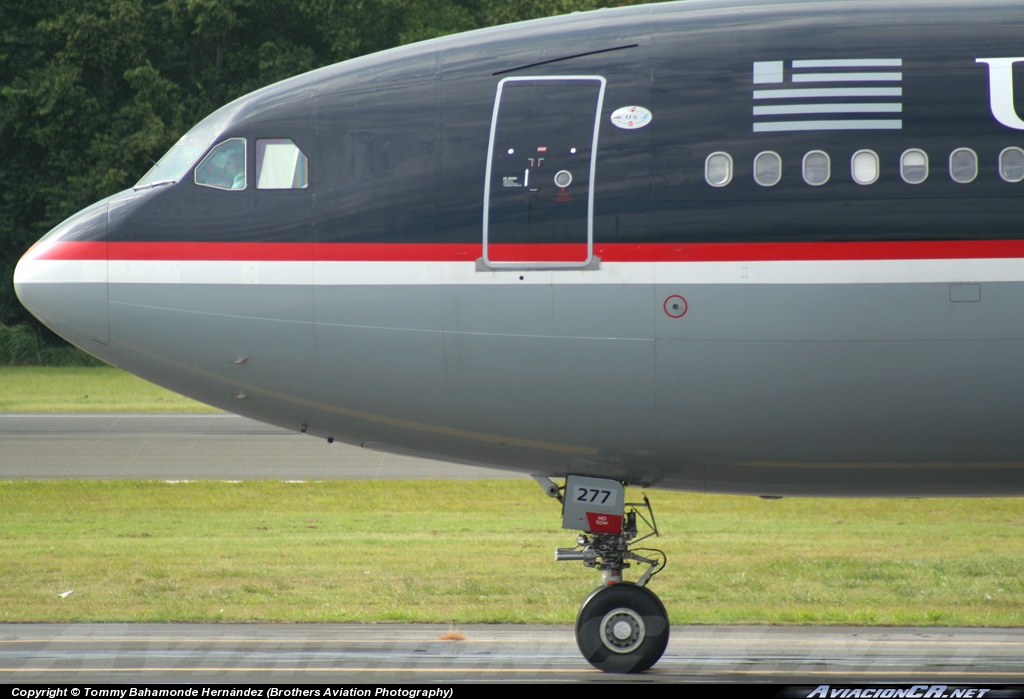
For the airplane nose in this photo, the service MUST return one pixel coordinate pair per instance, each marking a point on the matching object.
(62, 280)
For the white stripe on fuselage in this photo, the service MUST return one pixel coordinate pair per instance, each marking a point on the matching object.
(466, 273)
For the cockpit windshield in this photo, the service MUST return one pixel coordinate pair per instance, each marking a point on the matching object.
(173, 165)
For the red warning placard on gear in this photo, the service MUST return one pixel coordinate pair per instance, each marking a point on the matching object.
(604, 524)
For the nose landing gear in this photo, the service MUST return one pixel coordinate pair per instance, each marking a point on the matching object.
(621, 627)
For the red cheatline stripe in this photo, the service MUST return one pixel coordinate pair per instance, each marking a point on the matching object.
(610, 252)
(552, 252)
(755, 252)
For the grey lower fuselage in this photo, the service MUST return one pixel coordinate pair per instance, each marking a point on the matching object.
(765, 389)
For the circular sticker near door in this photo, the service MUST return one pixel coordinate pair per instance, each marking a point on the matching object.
(631, 117)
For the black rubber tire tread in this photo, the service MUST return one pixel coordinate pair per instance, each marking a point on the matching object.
(642, 601)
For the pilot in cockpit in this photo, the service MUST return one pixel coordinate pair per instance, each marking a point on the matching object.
(224, 167)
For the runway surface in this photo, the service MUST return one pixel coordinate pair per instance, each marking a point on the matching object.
(402, 653)
(194, 446)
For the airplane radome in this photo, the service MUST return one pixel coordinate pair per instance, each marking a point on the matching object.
(773, 249)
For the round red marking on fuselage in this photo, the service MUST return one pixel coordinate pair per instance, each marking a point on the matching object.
(675, 306)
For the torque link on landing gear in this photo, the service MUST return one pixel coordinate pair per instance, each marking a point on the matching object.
(621, 626)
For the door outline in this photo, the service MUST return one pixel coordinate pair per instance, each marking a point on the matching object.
(590, 262)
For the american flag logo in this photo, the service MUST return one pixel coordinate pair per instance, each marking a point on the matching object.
(828, 95)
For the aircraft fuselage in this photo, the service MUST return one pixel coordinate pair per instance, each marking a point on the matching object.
(772, 249)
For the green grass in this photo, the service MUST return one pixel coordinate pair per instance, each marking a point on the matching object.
(33, 389)
(481, 551)
(465, 551)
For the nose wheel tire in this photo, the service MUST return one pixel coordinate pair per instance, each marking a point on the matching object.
(622, 628)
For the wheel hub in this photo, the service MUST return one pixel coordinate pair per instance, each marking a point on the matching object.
(622, 630)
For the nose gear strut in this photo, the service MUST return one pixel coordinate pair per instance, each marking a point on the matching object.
(621, 626)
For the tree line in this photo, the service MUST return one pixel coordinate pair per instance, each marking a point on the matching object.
(92, 91)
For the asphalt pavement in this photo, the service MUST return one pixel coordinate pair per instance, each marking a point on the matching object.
(331, 654)
(195, 446)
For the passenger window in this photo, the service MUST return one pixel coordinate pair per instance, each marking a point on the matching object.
(1011, 164)
(963, 165)
(718, 169)
(280, 164)
(224, 166)
(767, 168)
(864, 167)
(914, 166)
(817, 168)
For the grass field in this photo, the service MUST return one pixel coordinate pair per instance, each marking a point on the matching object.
(462, 552)
(481, 551)
(86, 389)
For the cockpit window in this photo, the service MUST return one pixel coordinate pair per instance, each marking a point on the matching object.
(173, 165)
(280, 164)
(224, 166)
